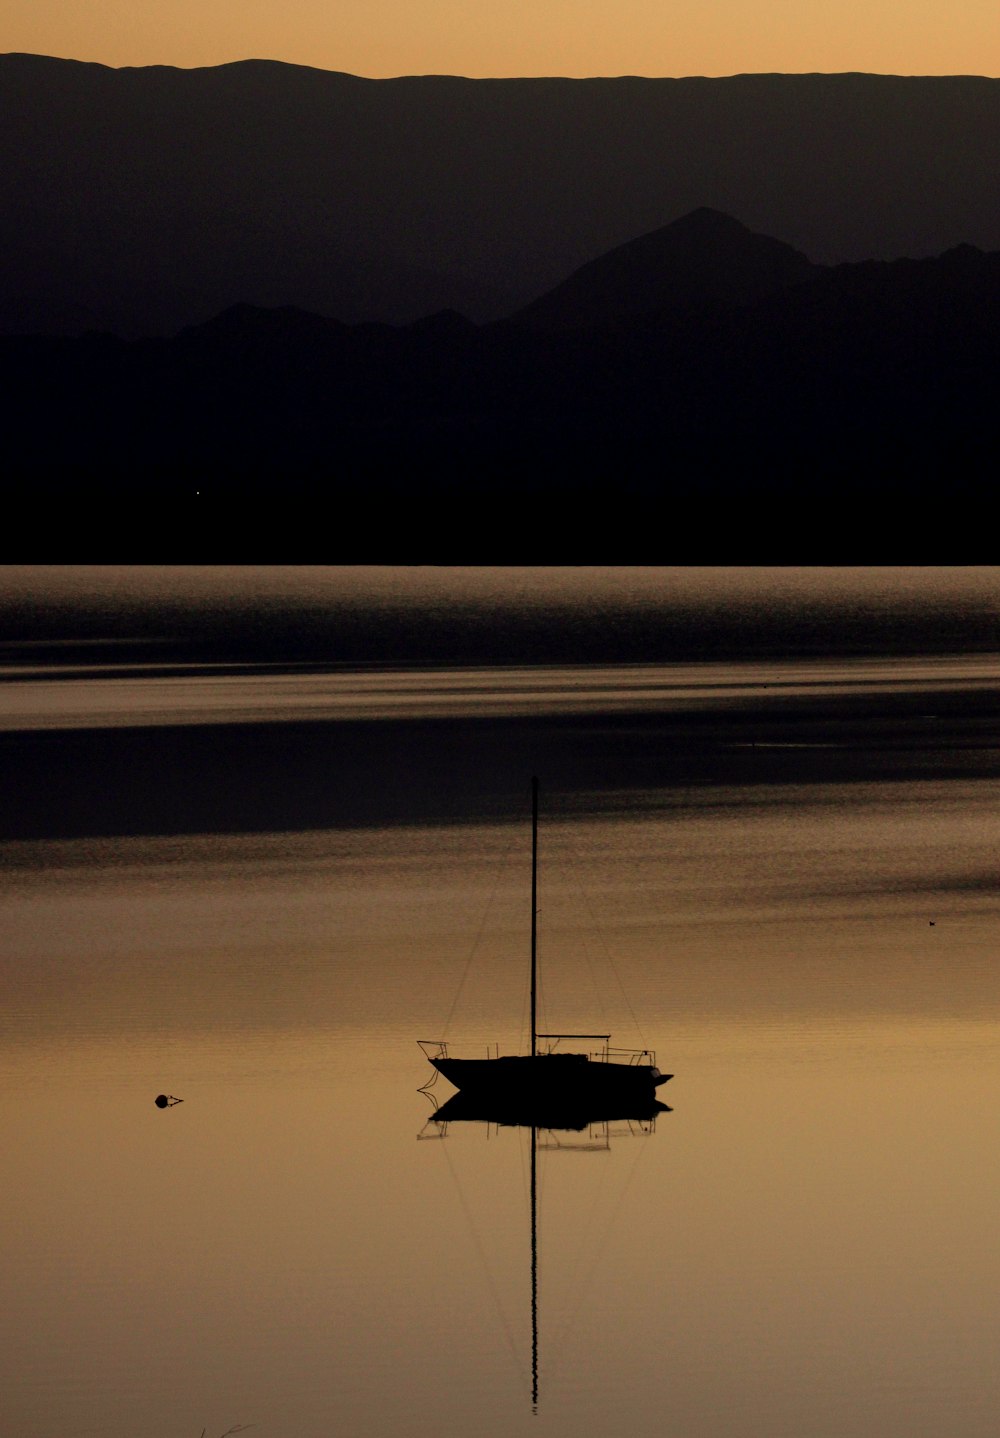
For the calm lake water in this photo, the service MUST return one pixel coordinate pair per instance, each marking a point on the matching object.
(257, 892)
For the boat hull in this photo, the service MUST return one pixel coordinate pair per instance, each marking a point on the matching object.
(558, 1079)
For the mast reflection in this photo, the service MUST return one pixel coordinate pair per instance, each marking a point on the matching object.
(552, 1125)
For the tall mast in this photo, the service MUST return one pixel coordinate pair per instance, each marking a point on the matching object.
(534, 915)
(534, 1269)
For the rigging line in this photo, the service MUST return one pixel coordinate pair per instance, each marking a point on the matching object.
(575, 1308)
(592, 975)
(574, 1285)
(505, 854)
(576, 884)
(481, 1252)
(602, 938)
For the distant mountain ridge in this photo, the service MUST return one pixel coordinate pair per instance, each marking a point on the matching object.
(143, 200)
(845, 405)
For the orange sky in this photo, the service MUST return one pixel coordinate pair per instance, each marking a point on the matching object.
(523, 37)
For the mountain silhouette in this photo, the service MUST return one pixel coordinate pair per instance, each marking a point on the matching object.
(144, 200)
(703, 260)
(703, 386)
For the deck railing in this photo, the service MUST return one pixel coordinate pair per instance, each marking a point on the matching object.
(439, 1049)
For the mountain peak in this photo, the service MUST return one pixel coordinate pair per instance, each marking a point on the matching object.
(703, 259)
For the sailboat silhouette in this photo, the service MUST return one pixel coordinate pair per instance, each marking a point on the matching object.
(548, 1093)
(549, 1085)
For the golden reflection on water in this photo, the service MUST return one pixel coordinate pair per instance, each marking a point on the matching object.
(805, 1240)
(804, 1245)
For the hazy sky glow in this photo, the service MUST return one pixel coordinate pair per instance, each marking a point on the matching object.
(526, 37)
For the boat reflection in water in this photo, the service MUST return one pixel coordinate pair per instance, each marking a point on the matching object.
(566, 1115)
(554, 1124)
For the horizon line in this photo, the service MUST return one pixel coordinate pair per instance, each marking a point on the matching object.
(453, 75)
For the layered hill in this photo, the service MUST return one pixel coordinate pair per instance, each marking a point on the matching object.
(707, 386)
(140, 201)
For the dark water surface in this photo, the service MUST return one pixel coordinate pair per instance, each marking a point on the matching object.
(257, 892)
